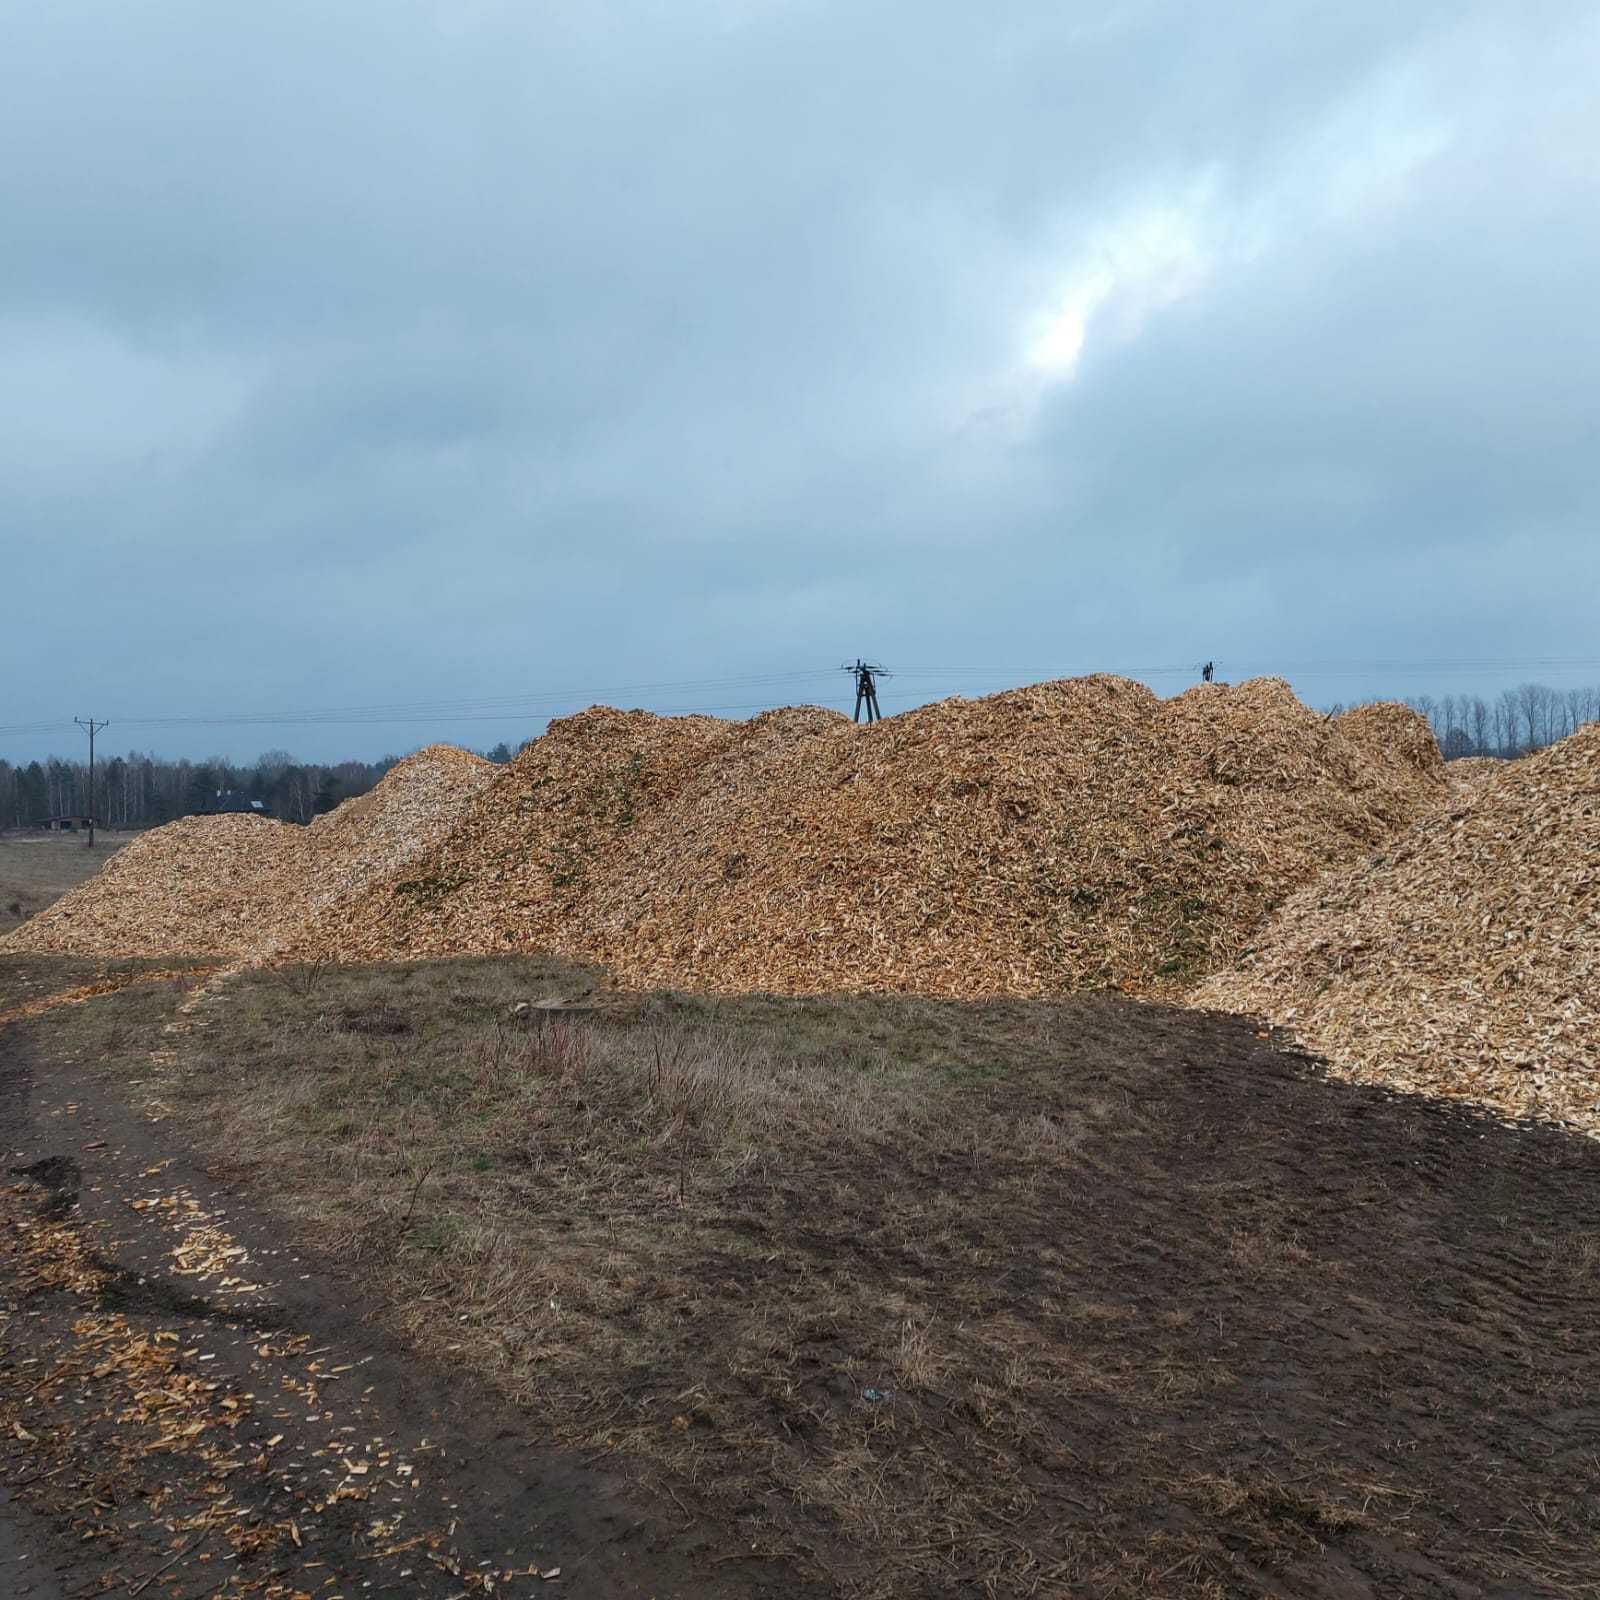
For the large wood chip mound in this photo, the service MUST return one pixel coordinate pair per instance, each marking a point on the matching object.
(1073, 834)
(1464, 959)
(239, 886)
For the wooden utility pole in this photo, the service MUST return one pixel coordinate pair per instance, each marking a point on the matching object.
(94, 728)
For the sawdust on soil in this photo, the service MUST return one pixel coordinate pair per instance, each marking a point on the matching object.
(1068, 835)
(1464, 959)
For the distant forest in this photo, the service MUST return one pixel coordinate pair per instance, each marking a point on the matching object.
(1515, 722)
(140, 791)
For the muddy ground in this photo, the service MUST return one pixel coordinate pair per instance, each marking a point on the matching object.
(859, 1298)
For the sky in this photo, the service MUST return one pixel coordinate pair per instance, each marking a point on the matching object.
(416, 371)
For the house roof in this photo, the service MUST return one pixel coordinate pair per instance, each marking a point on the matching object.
(232, 802)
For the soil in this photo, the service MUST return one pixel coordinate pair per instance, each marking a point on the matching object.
(1136, 1304)
(321, 1444)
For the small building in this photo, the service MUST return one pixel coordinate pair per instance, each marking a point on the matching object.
(67, 824)
(229, 802)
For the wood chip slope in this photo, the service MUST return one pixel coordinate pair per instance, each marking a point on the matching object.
(1467, 774)
(237, 887)
(414, 804)
(1464, 959)
(201, 886)
(1067, 835)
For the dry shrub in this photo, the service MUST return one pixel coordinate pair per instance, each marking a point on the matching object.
(918, 1363)
(1576, 1260)
(1265, 1499)
(1259, 1252)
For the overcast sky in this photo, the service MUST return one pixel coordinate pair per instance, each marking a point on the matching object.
(394, 353)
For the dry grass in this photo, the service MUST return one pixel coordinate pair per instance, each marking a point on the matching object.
(36, 872)
(937, 1299)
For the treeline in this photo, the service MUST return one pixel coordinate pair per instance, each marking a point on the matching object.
(1516, 721)
(141, 791)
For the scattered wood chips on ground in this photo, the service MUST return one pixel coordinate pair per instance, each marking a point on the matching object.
(1068, 835)
(1462, 961)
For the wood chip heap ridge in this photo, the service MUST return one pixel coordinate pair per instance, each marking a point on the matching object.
(236, 887)
(1464, 959)
(1073, 834)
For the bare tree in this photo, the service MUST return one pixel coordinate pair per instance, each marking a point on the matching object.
(1450, 716)
(1505, 723)
(1480, 725)
(1528, 702)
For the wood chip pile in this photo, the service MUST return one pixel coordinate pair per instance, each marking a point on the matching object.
(238, 886)
(1464, 959)
(1071, 834)
(415, 804)
(202, 886)
(1467, 774)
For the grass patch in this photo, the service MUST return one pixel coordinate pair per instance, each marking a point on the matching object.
(36, 871)
(1007, 1298)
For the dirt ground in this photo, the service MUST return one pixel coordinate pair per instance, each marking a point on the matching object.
(36, 870)
(869, 1298)
(190, 1406)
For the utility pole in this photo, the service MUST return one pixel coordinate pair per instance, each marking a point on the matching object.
(866, 675)
(94, 728)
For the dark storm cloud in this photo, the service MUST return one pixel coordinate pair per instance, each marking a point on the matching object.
(432, 351)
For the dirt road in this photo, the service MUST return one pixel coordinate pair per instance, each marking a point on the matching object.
(187, 1408)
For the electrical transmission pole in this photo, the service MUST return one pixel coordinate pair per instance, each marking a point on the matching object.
(94, 728)
(866, 675)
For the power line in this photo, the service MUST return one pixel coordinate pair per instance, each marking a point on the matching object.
(507, 705)
(426, 710)
(1261, 666)
(508, 708)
